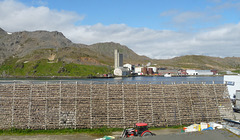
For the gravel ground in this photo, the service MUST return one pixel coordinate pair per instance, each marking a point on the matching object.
(203, 135)
(49, 137)
(162, 134)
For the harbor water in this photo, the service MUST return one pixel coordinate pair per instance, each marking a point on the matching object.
(129, 80)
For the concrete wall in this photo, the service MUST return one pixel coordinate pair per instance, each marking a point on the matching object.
(77, 105)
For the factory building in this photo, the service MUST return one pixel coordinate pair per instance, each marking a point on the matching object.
(118, 59)
(199, 72)
(118, 65)
(138, 69)
(171, 72)
(120, 71)
(130, 67)
(154, 69)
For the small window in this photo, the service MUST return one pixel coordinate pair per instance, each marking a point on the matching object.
(230, 83)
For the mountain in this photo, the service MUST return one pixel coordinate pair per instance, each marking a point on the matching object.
(200, 62)
(20, 44)
(30, 51)
(43, 53)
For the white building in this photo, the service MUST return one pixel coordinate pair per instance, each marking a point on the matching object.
(233, 84)
(191, 72)
(120, 71)
(138, 69)
(130, 67)
(199, 72)
(205, 72)
(118, 64)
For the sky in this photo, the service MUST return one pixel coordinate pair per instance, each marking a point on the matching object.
(159, 29)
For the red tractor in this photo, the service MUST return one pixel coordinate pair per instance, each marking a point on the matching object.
(141, 129)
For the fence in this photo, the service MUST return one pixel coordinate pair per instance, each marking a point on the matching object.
(79, 105)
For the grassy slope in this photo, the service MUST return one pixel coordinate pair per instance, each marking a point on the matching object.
(200, 62)
(83, 61)
(44, 68)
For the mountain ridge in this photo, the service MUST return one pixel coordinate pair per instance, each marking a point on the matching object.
(39, 45)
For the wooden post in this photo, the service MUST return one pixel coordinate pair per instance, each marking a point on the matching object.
(60, 103)
(151, 98)
(14, 88)
(45, 117)
(205, 97)
(164, 106)
(123, 102)
(91, 121)
(178, 105)
(137, 102)
(75, 105)
(214, 88)
(29, 107)
(193, 116)
(107, 104)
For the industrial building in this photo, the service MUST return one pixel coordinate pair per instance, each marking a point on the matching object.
(120, 71)
(154, 69)
(118, 65)
(130, 67)
(171, 72)
(197, 72)
(118, 59)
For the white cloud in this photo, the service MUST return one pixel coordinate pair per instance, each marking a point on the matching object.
(169, 13)
(222, 41)
(15, 17)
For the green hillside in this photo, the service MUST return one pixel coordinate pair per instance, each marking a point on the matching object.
(43, 53)
(200, 62)
(44, 68)
(38, 66)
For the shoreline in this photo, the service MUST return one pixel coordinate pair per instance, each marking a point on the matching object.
(93, 77)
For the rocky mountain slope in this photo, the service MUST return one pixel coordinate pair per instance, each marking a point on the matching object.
(54, 47)
(21, 44)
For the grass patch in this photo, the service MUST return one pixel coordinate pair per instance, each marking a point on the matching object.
(236, 71)
(96, 132)
(42, 67)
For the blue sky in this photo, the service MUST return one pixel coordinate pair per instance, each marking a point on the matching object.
(155, 28)
(153, 14)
